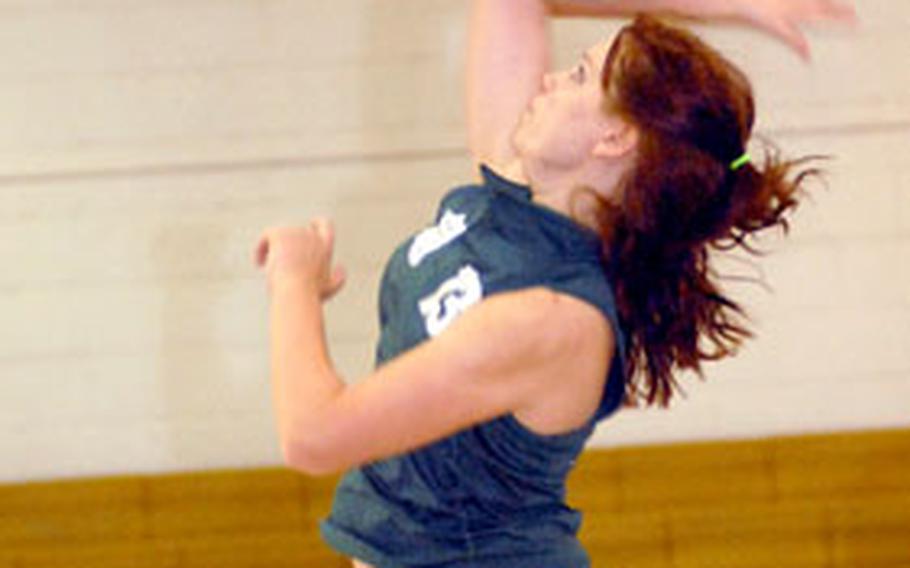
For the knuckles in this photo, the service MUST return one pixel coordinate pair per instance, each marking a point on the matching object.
(292, 246)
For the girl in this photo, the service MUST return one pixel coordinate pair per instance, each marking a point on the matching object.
(572, 277)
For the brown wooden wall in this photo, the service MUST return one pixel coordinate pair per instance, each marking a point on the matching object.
(819, 501)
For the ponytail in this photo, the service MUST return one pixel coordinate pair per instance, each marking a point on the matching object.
(674, 213)
(773, 190)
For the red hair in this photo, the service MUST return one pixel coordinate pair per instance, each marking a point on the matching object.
(694, 111)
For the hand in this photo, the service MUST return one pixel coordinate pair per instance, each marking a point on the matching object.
(785, 18)
(301, 253)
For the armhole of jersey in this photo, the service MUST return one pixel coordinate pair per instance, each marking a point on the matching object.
(614, 388)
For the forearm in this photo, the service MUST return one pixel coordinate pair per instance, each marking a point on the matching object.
(508, 53)
(304, 381)
(710, 9)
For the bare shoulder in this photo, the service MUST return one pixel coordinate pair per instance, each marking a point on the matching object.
(564, 312)
(576, 329)
(579, 344)
(539, 322)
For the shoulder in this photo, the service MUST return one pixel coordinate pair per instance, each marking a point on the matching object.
(564, 319)
(463, 194)
(534, 324)
(588, 283)
(541, 304)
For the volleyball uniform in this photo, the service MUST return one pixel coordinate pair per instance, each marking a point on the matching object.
(492, 495)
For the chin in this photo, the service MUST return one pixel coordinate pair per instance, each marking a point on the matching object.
(518, 138)
(526, 146)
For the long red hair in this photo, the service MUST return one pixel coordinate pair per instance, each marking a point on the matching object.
(682, 198)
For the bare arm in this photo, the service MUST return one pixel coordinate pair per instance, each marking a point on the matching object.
(499, 355)
(508, 53)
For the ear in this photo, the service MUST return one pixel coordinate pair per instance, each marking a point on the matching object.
(618, 140)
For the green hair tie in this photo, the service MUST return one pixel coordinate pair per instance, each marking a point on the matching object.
(740, 161)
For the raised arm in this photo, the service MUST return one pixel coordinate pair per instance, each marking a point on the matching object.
(508, 53)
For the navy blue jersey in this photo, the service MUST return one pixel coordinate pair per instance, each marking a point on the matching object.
(492, 495)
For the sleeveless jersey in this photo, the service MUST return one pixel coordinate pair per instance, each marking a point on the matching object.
(492, 495)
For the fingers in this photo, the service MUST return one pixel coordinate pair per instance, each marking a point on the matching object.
(338, 275)
(792, 35)
(306, 250)
(324, 229)
(320, 225)
(336, 282)
(786, 19)
(819, 11)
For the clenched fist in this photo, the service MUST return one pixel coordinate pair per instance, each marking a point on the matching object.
(302, 254)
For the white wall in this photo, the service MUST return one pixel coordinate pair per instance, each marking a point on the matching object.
(146, 143)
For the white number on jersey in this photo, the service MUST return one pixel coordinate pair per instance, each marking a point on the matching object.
(451, 299)
(449, 227)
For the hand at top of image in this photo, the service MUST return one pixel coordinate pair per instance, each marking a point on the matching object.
(785, 19)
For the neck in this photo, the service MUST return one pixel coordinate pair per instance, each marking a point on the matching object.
(573, 202)
(559, 191)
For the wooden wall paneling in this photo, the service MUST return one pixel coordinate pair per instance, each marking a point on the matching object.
(628, 539)
(599, 477)
(750, 535)
(684, 475)
(872, 531)
(677, 475)
(672, 518)
(110, 553)
(288, 549)
(623, 533)
(239, 502)
(295, 549)
(43, 515)
(225, 518)
(802, 501)
(842, 466)
(259, 518)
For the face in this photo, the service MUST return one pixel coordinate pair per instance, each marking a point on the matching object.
(564, 122)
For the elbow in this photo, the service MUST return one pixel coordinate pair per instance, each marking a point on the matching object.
(307, 458)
